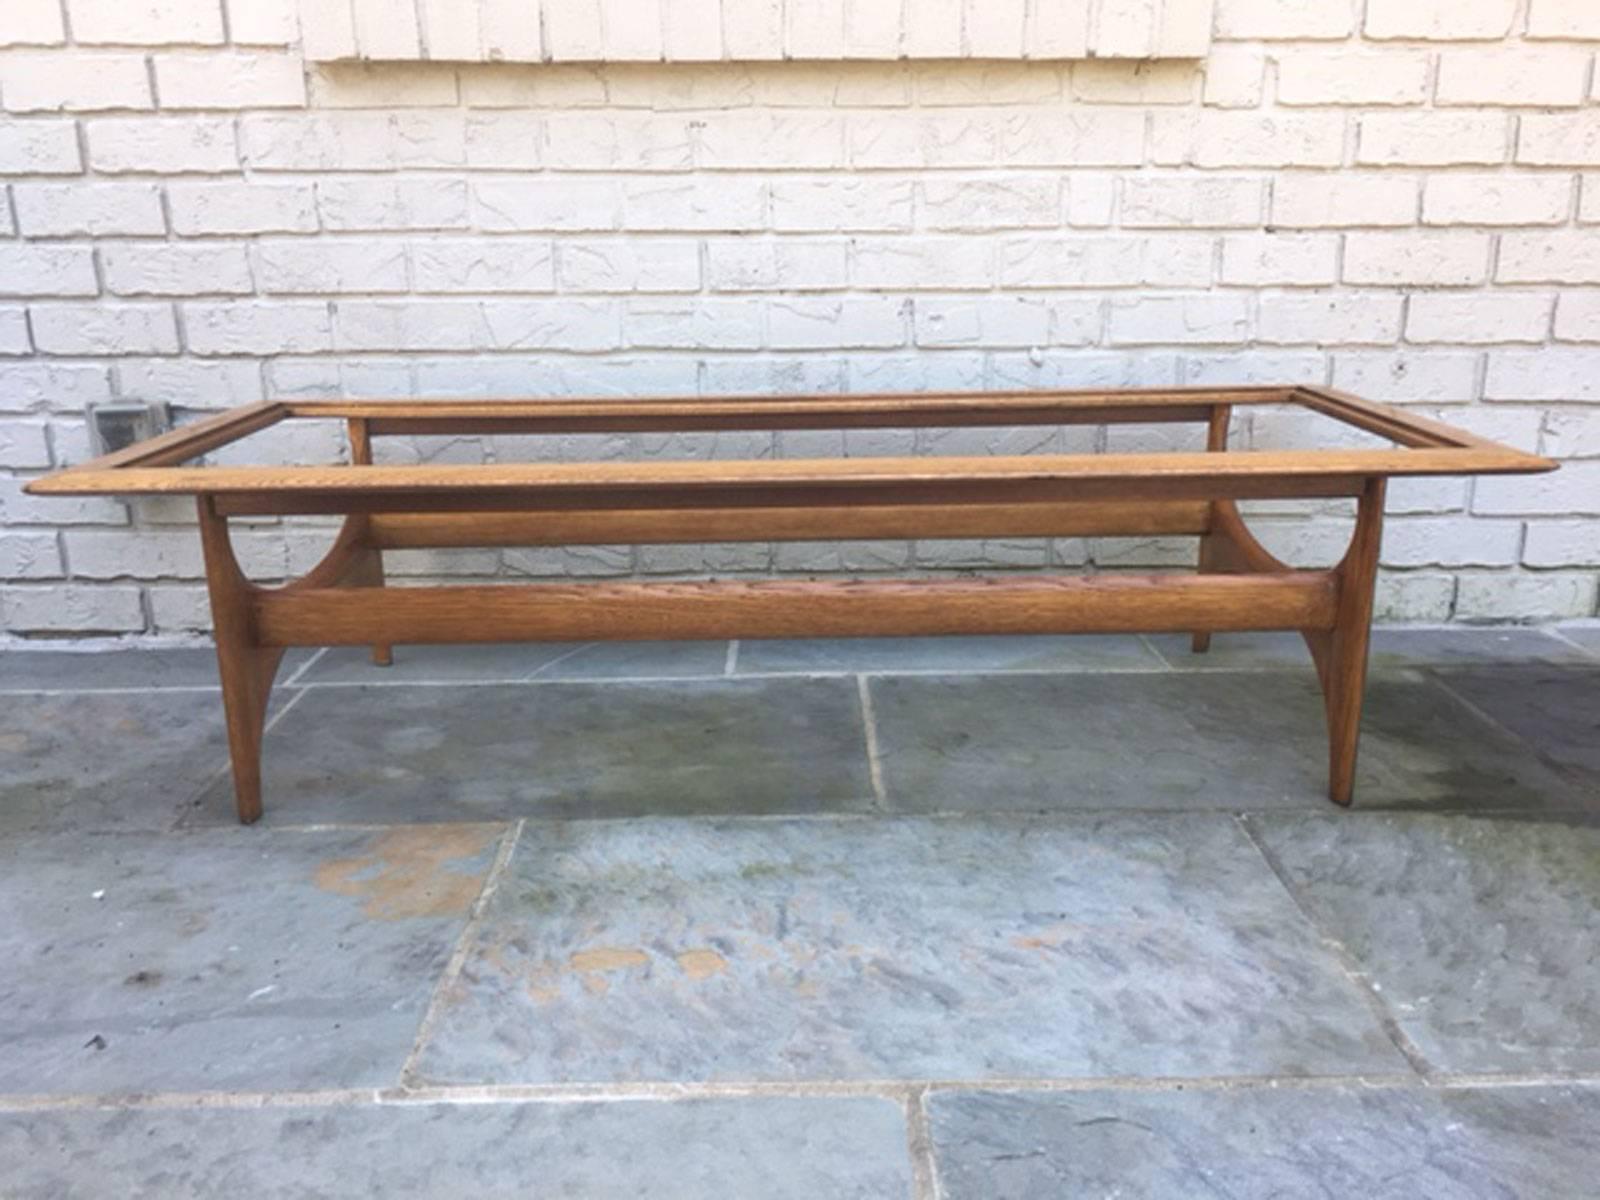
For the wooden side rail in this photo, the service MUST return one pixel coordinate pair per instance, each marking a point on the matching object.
(395, 531)
(782, 609)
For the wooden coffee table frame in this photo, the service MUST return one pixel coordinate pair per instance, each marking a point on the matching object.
(1239, 585)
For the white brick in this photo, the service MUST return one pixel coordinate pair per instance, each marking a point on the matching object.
(1179, 320)
(1091, 200)
(242, 207)
(908, 263)
(479, 265)
(350, 205)
(258, 328)
(1562, 544)
(732, 141)
(1571, 491)
(1284, 20)
(1256, 366)
(1274, 259)
(30, 556)
(852, 322)
(24, 445)
(1563, 376)
(191, 383)
(1234, 76)
(1339, 77)
(504, 141)
(630, 266)
(262, 22)
(464, 325)
(977, 83)
(1431, 139)
(1111, 81)
(330, 265)
(1416, 259)
(69, 210)
(1304, 201)
(13, 331)
(552, 203)
(148, 23)
(77, 610)
(1560, 139)
(46, 270)
(1010, 202)
(1058, 137)
(104, 329)
(36, 147)
(1247, 139)
(620, 141)
(84, 81)
(1578, 317)
(176, 269)
(841, 203)
(1193, 201)
(1589, 199)
(1496, 200)
(25, 387)
(17, 508)
(1439, 20)
(1571, 433)
(725, 205)
(239, 79)
(1519, 597)
(692, 324)
(363, 141)
(1334, 318)
(754, 30)
(1482, 318)
(162, 145)
(1563, 19)
(943, 139)
(516, 86)
(742, 265)
(1544, 75)
(1180, 260)
(386, 85)
(1450, 542)
(982, 321)
(1549, 257)
(692, 30)
(32, 23)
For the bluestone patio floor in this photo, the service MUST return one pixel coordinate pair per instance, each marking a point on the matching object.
(963, 918)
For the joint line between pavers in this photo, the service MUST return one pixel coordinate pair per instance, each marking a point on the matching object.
(1588, 652)
(533, 675)
(1348, 963)
(294, 680)
(1487, 718)
(223, 771)
(919, 1145)
(869, 726)
(458, 955)
(731, 663)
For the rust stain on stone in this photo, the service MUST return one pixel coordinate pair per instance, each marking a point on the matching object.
(406, 873)
(608, 958)
(702, 964)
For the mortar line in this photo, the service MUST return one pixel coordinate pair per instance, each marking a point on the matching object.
(1587, 652)
(919, 1145)
(1494, 722)
(223, 771)
(1348, 963)
(533, 675)
(869, 728)
(898, 1091)
(458, 955)
(731, 663)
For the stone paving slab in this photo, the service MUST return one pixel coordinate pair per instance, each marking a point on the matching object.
(178, 667)
(523, 661)
(1554, 709)
(1533, 1143)
(225, 960)
(1587, 636)
(1390, 648)
(1479, 934)
(773, 1149)
(920, 654)
(563, 750)
(128, 760)
(784, 950)
(1241, 741)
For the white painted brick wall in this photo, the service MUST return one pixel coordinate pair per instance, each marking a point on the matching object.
(1398, 197)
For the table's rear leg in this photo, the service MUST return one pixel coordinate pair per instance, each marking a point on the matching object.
(1341, 653)
(246, 667)
(367, 570)
(1210, 560)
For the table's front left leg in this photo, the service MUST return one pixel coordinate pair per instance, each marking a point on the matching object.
(246, 667)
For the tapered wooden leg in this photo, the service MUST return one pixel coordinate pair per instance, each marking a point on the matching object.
(1341, 654)
(246, 667)
(368, 569)
(1216, 443)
